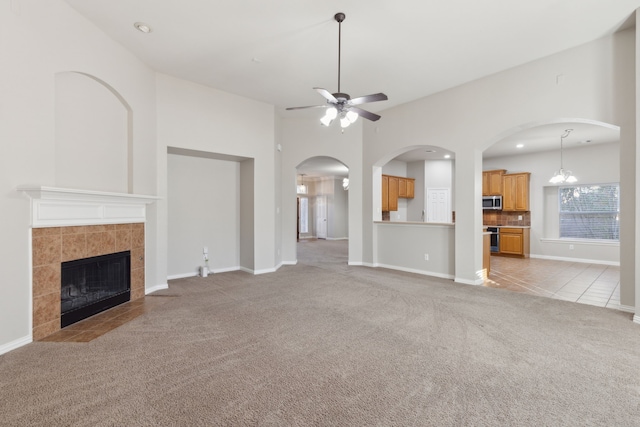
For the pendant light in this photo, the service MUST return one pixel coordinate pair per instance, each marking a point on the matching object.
(563, 176)
(302, 189)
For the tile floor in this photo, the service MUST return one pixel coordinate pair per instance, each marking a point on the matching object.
(593, 284)
(98, 325)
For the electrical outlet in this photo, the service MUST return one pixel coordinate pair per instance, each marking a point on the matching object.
(205, 250)
(571, 247)
(426, 257)
(519, 217)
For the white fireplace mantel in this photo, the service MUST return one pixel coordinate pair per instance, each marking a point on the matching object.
(59, 207)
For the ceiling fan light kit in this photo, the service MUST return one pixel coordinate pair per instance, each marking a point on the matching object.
(340, 105)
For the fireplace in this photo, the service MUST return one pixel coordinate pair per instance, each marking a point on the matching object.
(72, 224)
(92, 285)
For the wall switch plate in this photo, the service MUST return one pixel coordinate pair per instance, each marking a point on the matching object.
(426, 257)
(571, 247)
(205, 250)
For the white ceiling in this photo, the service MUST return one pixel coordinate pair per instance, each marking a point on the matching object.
(277, 51)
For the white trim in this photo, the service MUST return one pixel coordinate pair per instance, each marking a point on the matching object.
(581, 260)
(12, 345)
(224, 270)
(586, 242)
(475, 282)
(156, 288)
(636, 319)
(182, 276)
(265, 271)
(627, 308)
(294, 262)
(360, 263)
(337, 238)
(416, 271)
(60, 207)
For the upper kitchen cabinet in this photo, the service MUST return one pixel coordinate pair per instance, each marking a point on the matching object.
(394, 187)
(406, 188)
(492, 182)
(515, 192)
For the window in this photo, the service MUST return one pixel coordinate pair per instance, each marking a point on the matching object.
(590, 211)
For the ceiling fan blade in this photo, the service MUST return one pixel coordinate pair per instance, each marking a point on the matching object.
(366, 114)
(328, 95)
(369, 98)
(309, 106)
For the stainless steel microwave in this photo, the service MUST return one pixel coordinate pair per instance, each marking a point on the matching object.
(492, 202)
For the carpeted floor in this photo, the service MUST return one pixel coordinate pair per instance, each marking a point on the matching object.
(321, 343)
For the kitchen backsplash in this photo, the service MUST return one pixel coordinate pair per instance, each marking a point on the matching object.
(506, 218)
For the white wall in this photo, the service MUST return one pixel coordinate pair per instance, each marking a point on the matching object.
(306, 138)
(196, 117)
(468, 118)
(596, 164)
(93, 124)
(204, 211)
(338, 227)
(38, 40)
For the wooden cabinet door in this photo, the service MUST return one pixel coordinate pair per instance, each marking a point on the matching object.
(402, 187)
(515, 192)
(511, 243)
(522, 192)
(485, 183)
(410, 188)
(508, 193)
(385, 193)
(393, 193)
(495, 183)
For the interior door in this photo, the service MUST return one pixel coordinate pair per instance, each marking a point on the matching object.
(438, 205)
(321, 217)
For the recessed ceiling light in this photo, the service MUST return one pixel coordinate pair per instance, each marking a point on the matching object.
(447, 156)
(519, 145)
(142, 27)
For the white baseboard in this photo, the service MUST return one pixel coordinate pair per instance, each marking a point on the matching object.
(294, 262)
(181, 276)
(636, 319)
(359, 263)
(337, 238)
(416, 271)
(580, 260)
(224, 270)
(156, 288)
(6, 348)
(475, 282)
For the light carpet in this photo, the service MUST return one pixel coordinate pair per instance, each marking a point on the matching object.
(324, 344)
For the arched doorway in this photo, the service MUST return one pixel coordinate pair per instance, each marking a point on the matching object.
(558, 264)
(322, 210)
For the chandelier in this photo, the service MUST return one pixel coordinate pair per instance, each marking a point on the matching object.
(562, 176)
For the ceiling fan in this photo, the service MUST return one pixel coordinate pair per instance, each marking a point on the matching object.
(340, 104)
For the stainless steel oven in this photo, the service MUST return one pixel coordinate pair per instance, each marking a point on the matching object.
(495, 238)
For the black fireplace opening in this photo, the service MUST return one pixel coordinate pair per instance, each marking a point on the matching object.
(92, 285)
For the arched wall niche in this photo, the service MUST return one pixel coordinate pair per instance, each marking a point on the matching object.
(93, 134)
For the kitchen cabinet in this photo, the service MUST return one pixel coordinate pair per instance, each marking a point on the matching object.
(393, 193)
(492, 182)
(393, 188)
(406, 188)
(385, 193)
(514, 241)
(515, 192)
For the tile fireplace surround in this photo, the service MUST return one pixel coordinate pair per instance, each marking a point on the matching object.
(69, 224)
(54, 245)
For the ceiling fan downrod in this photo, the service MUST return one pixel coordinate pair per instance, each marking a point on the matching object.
(339, 17)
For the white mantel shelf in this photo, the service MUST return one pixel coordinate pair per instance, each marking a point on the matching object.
(58, 207)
